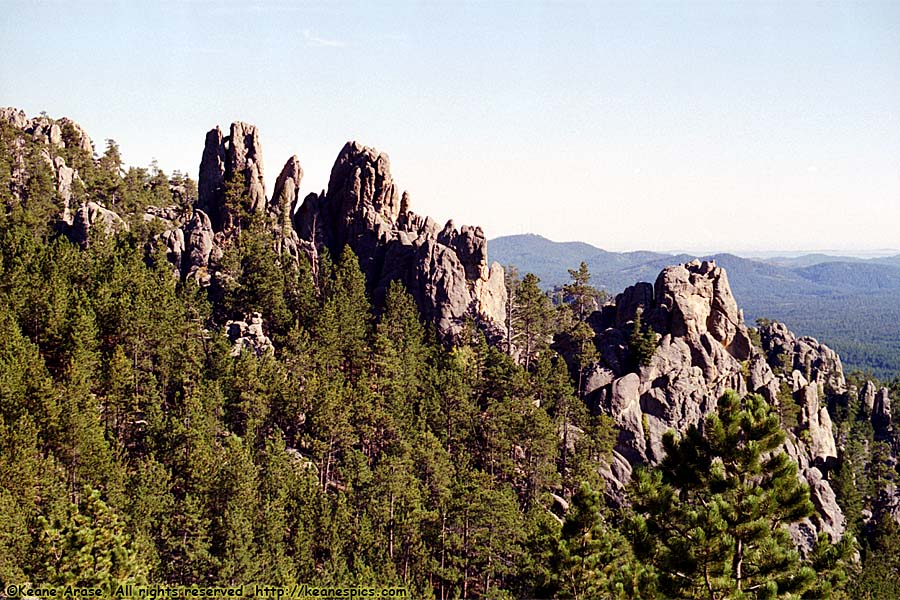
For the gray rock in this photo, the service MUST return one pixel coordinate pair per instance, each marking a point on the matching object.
(199, 245)
(815, 419)
(171, 216)
(445, 270)
(65, 179)
(249, 336)
(286, 192)
(817, 362)
(211, 181)
(703, 350)
(881, 413)
(285, 201)
(15, 117)
(244, 157)
(867, 397)
(637, 296)
(829, 517)
(237, 156)
(92, 215)
(45, 131)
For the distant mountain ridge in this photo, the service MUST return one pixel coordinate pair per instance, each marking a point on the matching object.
(849, 303)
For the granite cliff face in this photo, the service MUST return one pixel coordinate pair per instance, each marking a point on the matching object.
(703, 349)
(446, 270)
(232, 159)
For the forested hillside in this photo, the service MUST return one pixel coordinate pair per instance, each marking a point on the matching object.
(187, 399)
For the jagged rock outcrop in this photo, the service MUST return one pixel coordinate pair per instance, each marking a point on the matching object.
(445, 270)
(45, 130)
(52, 136)
(199, 246)
(703, 349)
(92, 215)
(881, 413)
(236, 157)
(248, 336)
(280, 210)
(701, 343)
(65, 179)
(15, 117)
(812, 371)
(172, 238)
(818, 363)
(828, 518)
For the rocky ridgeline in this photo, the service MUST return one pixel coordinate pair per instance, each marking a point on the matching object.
(445, 269)
(703, 349)
(703, 346)
(53, 136)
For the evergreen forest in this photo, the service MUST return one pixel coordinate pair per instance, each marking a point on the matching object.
(136, 444)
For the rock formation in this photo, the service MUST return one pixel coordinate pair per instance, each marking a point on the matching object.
(65, 179)
(703, 349)
(281, 208)
(92, 215)
(881, 414)
(818, 363)
(248, 336)
(199, 243)
(237, 159)
(445, 270)
(54, 136)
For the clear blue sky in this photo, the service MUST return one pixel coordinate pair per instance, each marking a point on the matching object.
(657, 125)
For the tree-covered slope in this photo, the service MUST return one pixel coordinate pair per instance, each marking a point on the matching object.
(189, 403)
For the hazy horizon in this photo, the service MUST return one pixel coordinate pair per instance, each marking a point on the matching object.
(736, 127)
(768, 253)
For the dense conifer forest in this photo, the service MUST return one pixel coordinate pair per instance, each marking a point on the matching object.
(137, 446)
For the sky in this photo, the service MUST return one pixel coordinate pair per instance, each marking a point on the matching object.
(700, 126)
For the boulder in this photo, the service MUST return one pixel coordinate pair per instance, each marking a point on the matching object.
(92, 215)
(249, 336)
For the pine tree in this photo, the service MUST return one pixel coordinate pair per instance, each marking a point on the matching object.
(713, 518)
(90, 548)
(401, 356)
(532, 320)
(641, 342)
(583, 297)
(343, 324)
(592, 559)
